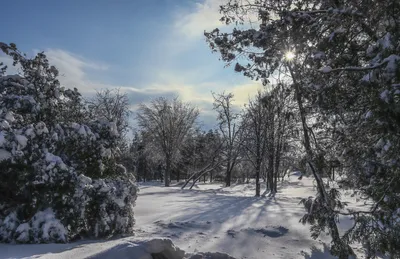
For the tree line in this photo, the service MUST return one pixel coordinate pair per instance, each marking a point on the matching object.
(251, 142)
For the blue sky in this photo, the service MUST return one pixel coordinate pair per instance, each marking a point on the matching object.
(148, 48)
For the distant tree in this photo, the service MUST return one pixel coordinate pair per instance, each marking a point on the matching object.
(111, 105)
(280, 116)
(203, 156)
(167, 123)
(230, 127)
(255, 140)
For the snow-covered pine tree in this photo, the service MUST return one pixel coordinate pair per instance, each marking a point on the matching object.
(58, 177)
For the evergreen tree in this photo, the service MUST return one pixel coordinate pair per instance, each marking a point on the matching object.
(58, 176)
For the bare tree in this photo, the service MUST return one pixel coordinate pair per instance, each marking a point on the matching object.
(113, 106)
(255, 142)
(279, 114)
(168, 122)
(230, 127)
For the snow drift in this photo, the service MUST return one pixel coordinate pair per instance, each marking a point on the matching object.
(154, 249)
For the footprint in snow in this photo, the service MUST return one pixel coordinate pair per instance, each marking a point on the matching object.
(268, 231)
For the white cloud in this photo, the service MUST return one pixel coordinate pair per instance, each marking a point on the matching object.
(73, 68)
(189, 85)
(243, 92)
(205, 16)
(8, 61)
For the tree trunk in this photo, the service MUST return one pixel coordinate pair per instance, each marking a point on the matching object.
(198, 174)
(258, 169)
(178, 175)
(347, 250)
(167, 173)
(270, 173)
(201, 173)
(228, 175)
(277, 163)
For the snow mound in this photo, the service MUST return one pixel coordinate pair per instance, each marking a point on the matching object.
(153, 249)
(211, 256)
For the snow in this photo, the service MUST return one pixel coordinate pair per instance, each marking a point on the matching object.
(370, 77)
(340, 30)
(113, 129)
(10, 117)
(319, 55)
(53, 161)
(387, 146)
(5, 124)
(391, 61)
(30, 132)
(23, 231)
(41, 128)
(43, 227)
(2, 139)
(207, 218)
(326, 69)
(4, 154)
(82, 131)
(386, 42)
(22, 140)
(49, 225)
(385, 96)
(143, 250)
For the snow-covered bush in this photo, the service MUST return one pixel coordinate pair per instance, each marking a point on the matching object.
(59, 179)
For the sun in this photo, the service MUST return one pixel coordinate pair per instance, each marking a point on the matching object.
(289, 55)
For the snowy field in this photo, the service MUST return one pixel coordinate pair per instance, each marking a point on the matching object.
(208, 218)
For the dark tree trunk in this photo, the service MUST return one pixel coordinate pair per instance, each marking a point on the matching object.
(167, 173)
(144, 172)
(228, 175)
(334, 231)
(258, 169)
(270, 173)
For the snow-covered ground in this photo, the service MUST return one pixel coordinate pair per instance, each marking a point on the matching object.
(209, 218)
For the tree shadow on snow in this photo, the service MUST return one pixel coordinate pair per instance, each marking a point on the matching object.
(316, 253)
(207, 216)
